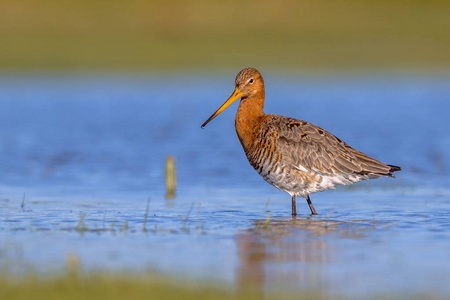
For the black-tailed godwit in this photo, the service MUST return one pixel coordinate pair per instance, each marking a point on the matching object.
(295, 156)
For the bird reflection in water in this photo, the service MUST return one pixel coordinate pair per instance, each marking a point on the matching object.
(292, 254)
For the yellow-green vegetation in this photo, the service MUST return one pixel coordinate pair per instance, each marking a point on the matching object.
(171, 177)
(125, 286)
(171, 35)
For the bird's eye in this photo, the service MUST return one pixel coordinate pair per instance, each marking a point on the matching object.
(251, 81)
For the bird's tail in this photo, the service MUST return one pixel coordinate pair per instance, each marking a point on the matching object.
(393, 169)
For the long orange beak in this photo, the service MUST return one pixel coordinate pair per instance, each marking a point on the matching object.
(236, 95)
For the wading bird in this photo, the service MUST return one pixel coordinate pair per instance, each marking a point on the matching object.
(295, 156)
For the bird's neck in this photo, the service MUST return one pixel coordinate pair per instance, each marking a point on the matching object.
(248, 119)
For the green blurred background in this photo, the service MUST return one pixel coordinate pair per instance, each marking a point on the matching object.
(138, 35)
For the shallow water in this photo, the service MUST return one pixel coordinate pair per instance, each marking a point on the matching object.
(84, 154)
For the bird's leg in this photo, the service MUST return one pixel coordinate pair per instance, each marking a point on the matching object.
(311, 206)
(294, 206)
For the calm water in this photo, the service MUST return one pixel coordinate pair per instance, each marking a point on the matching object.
(85, 153)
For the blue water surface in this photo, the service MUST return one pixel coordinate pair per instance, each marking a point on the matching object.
(81, 157)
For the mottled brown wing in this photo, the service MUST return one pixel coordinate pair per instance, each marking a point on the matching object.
(307, 146)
